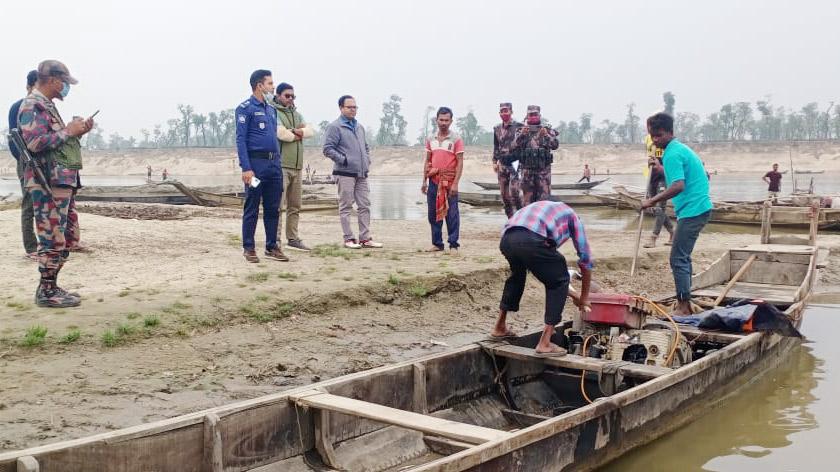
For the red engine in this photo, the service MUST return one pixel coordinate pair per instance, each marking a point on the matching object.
(616, 310)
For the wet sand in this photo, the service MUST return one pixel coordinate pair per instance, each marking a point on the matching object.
(227, 330)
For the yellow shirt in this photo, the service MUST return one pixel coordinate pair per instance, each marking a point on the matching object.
(652, 151)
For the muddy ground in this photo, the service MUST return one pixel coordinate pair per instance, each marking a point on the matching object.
(174, 320)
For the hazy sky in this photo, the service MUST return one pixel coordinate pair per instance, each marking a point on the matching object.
(137, 60)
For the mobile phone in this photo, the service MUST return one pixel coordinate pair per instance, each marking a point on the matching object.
(94, 114)
(255, 181)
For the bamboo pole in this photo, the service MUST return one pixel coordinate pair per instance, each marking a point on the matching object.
(641, 220)
(735, 279)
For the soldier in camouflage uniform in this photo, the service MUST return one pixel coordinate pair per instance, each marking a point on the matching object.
(57, 151)
(534, 142)
(504, 157)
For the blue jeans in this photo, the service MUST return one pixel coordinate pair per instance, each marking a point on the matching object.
(269, 192)
(688, 229)
(453, 218)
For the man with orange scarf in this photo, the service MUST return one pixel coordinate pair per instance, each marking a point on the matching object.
(441, 173)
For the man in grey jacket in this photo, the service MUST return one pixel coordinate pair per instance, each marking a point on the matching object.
(346, 146)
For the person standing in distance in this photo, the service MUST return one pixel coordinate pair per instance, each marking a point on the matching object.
(504, 155)
(774, 183)
(259, 159)
(27, 216)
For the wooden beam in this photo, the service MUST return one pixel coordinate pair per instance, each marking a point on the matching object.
(428, 424)
(28, 464)
(323, 438)
(766, 217)
(420, 403)
(212, 461)
(570, 361)
(735, 279)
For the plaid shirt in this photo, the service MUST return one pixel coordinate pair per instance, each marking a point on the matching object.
(556, 221)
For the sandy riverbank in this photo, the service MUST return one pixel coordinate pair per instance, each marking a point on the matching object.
(388, 161)
(227, 330)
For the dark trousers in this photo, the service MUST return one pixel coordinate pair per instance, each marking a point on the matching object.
(27, 214)
(528, 251)
(688, 229)
(453, 218)
(269, 192)
(584, 178)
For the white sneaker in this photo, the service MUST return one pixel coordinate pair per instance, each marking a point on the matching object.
(369, 243)
(352, 244)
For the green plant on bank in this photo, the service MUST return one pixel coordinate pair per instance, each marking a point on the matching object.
(125, 329)
(176, 307)
(331, 250)
(264, 314)
(418, 290)
(71, 337)
(150, 321)
(287, 275)
(18, 306)
(109, 338)
(234, 240)
(484, 259)
(258, 277)
(123, 293)
(133, 315)
(34, 336)
(393, 279)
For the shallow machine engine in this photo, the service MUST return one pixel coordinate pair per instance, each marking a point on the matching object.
(618, 329)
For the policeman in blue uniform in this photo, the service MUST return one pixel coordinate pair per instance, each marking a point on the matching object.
(259, 158)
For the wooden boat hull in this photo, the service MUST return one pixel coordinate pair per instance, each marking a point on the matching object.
(191, 196)
(749, 213)
(497, 399)
(554, 186)
(495, 199)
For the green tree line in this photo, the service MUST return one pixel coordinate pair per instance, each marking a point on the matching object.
(738, 121)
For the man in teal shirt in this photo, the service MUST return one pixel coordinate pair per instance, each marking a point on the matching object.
(688, 187)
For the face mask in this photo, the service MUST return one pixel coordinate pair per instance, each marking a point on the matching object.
(65, 90)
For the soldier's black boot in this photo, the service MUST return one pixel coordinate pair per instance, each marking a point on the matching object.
(48, 294)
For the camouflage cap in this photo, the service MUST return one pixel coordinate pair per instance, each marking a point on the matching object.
(507, 105)
(533, 109)
(51, 68)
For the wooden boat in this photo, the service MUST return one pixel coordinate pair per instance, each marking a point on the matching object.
(808, 172)
(749, 212)
(554, 186)
(490, 406)
(495, 199)
(190, 196)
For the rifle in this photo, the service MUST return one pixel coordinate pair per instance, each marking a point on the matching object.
(16, 138)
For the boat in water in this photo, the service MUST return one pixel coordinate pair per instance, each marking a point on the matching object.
(554, 186)
(494, 405)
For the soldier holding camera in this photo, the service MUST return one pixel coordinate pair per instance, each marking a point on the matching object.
(535, 143)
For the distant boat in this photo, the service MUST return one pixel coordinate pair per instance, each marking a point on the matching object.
(188, 196)
(809, 172)
(495, 199)
(557, 186)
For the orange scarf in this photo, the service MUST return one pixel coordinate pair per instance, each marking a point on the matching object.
(443, 178)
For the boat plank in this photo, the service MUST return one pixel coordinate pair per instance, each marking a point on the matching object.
(428, 424)
(771, 293)
(762, 272)
(570, 361)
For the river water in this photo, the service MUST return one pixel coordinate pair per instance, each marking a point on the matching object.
(787, 420)
(399, 198)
